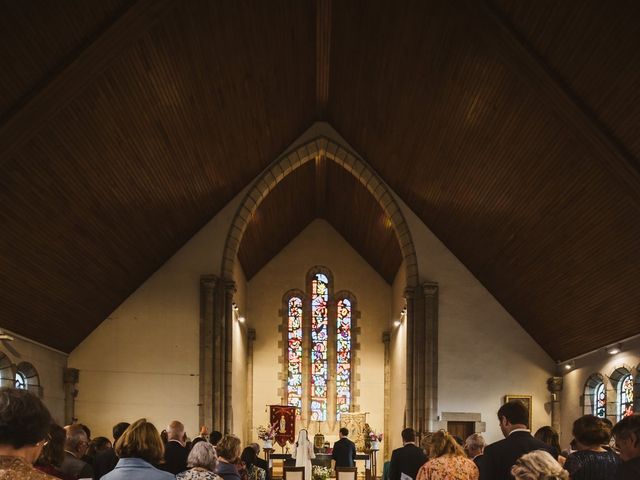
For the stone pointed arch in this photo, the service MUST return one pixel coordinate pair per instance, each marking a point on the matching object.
(287, 163)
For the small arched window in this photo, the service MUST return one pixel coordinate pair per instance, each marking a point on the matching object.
(7, 376)
(600, 401)
(625, 396)
(27, 378)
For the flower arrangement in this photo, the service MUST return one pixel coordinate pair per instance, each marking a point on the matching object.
(267, 433)
(321, 473)
(375, 437)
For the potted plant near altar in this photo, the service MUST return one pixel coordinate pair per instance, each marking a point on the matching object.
(320, 473)
(267, 434)
(374, 440)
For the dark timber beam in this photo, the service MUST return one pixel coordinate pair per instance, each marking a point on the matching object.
(84, 69)
(323, 54)
(502, 39)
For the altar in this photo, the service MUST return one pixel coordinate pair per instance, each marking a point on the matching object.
(367, 465)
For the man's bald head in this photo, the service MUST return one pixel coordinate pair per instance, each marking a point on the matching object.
(175, 431)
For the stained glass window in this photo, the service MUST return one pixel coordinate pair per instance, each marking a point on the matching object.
(21, 381)
(343, 357)
(625, 396)
(319, 343)
(600, 401)
(294, 368)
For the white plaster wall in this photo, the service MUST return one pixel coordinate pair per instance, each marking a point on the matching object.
(143, 360)
(318, 244)
(574, 382)
(239, 355)
(484, 354)
(50, 365)
(398, 364)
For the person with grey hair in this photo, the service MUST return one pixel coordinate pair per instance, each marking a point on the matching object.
(538, 465)
(474, 446)
(202, 462)
(261, 462)
(75, 447)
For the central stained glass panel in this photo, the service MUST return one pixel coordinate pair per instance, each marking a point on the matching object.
(319, 342)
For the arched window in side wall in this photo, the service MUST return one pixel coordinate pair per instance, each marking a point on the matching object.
(600, 401)
(7, 376)
(27, 378)
(625, 396)
(595, 396)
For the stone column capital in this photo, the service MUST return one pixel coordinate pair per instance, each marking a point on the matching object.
(209, 281)
(429, 289)
(409, 292)
(230, 287)
(554, 384)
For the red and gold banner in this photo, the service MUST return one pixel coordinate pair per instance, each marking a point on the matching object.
(283, 417)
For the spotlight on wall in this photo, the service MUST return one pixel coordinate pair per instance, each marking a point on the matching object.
(397, 323)
(5, 337)
(569, 365)
(614, 349)
(241, 319)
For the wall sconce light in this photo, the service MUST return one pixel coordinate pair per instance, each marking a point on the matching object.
(397, 323)
(241, 319)
(614, 349)
(569, 365)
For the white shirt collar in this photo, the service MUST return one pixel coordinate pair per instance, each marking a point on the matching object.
(520, 430)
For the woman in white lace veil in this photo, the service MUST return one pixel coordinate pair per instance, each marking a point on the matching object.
(303, 453)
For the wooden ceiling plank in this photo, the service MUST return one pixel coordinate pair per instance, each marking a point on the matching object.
(524, 62)
(87, 66)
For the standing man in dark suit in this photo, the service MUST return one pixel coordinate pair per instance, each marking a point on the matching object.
(344, 451)
(408, 459)
(175, 452)
(500, 456)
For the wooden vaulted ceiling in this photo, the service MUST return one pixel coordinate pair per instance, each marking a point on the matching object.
(321, 189)
(510, 128)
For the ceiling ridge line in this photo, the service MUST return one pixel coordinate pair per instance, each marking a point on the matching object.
(534, 73)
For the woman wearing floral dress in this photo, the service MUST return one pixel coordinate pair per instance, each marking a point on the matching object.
(448, 461)
(202, 462)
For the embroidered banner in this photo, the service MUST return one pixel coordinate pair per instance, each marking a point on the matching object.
(284, 419)
(356, 424)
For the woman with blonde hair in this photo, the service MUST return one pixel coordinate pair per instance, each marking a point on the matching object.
(139, 449)
(228, 450)
(447, 461)
(538, 465)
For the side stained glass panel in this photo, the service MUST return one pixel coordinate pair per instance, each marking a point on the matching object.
(294, 354)
(319, 336)
(600, 401)
(343, 356)
(625, 396)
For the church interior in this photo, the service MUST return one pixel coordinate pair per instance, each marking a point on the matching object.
(409, 210)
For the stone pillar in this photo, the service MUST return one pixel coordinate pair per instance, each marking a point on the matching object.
(70, 378)
(430, 391)
(207, 347)
(251, 337)
(409, 321)
(554, 385)
(230, 290)
(386, 339)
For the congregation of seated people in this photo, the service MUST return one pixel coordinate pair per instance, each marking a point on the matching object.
(33, 447)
